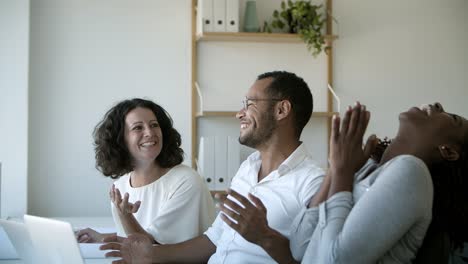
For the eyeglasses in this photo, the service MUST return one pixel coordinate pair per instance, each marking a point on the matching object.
(246, 102)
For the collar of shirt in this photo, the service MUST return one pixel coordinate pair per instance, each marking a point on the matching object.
(298, 155)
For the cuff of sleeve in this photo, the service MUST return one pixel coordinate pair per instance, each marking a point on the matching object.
(336, 207)
(212, 236)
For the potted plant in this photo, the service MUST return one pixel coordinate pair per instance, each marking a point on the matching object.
(303, 18)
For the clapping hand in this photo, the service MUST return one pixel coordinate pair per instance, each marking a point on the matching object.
(248, 218)
(347, 154)
(123, 205)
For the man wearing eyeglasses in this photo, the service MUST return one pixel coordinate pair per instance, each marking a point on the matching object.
(280, 173)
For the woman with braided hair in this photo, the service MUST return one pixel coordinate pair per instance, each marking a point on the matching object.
(380, 212)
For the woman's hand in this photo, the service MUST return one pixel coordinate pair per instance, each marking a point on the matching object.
(346, 150)
(89, 235)
(347, 154)
(123, 206)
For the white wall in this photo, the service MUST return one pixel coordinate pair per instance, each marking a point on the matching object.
(86, 56)
(14, 45)
(395, 54)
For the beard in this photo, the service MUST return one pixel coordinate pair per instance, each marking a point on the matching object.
(262, 132)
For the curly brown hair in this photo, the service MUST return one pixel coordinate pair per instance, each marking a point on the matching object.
(112, 156)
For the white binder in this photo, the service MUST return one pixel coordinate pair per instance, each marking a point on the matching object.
(232, 15)
(205, 16)
(233, 158)
(222, 182)
(219, 14)
(206, 161)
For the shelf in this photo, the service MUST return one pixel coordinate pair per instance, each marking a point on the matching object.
(253, 37)
(233, 114)
(217, 114)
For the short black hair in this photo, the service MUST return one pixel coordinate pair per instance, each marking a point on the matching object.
(288, 86)
(112, 156)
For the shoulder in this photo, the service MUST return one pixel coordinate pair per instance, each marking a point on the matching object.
(308, 169)
(183, 175)
(407, 173)
(408, 164)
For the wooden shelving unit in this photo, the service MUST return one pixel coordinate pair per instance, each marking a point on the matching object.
(233, 114)
(251, 37)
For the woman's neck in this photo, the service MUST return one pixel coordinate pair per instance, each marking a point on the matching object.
(403, 146)
(145, 174)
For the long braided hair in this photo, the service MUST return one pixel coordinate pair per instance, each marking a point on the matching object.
(450, 204)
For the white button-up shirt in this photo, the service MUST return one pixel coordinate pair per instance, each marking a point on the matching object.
(284, 192)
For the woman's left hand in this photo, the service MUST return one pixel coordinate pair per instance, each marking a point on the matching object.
(123, 205)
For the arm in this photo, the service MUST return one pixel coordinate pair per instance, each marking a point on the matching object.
(138, 249)
(322, 193)
(397, 200)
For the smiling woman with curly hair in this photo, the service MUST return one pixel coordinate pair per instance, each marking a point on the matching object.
(154, 194)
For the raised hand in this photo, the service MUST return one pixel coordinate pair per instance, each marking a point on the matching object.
(89, 235)
(347, 155)
(136, 249)
(123, 205)
(346, 150)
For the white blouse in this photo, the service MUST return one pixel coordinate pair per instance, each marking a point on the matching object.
(176, 207)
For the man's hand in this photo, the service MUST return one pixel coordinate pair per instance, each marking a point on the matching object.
(249, 217)
(136, 249)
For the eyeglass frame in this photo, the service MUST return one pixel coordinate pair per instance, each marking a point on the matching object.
(245, 102)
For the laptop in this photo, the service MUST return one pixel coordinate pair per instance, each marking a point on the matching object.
(55, 241)
(19, 237)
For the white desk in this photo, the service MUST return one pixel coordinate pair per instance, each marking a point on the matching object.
(78, 223)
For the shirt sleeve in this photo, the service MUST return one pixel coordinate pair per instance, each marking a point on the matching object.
(216, 230)
(179, 218)
(363, 233)
(301, 231)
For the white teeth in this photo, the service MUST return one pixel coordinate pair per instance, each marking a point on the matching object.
(243, 126)
(147, 144)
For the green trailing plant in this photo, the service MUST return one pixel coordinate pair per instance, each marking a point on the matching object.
(303, 18)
